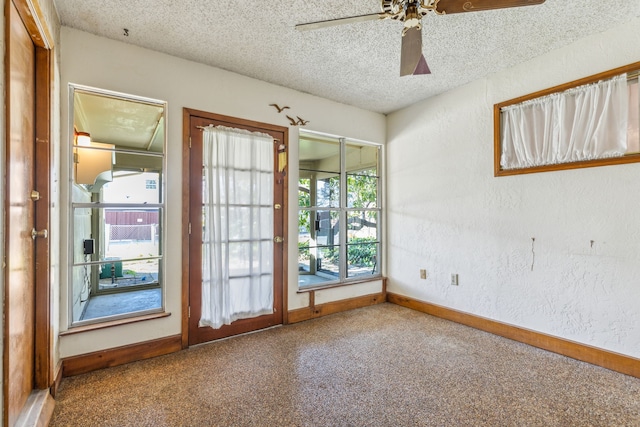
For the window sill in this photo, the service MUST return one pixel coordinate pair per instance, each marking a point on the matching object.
(112, 323)
(339, 284)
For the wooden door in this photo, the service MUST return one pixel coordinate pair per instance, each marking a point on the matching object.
(194, 120)
(27, 332)
(20, 270)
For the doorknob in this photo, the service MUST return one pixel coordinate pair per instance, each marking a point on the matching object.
(35, 195)
(42, 233)
(278, 239)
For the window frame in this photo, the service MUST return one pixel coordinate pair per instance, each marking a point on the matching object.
(343, 214)
(72, 206)
(633, 70)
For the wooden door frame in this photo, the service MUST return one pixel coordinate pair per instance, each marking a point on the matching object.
(187, 115)
(35, 23)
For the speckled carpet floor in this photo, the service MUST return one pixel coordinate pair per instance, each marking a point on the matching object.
(379, 366)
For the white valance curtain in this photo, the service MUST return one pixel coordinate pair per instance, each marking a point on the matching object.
(584, 123)
(237, 240)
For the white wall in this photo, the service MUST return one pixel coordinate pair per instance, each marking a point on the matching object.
(102, 63)
(448, 214)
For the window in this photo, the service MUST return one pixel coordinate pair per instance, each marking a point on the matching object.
(589, 122)
(116, 206)
(339, 211)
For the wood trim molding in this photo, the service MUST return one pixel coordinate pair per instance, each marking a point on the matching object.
(35, 22)
(112, 323)
(315, 311)
(42, 152)
(57, 379)
(186, 215)
(84, 363)
(596, 356)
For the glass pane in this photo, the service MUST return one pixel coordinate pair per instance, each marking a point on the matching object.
(263, 254)
(327, 191)
(362, 226)
(122, 233)
(362, 259)
(239, 223)
(133, 187)
(325, 229)
(633, 131)
(93, 164)
(316, 154)
(239, 258)
(239, 186)
(320, 189)
(328, 260)
(304, 192)
(362, 191)
(262, 191)
(305, 223)
(125, 274)
(361, 159)
(317, 265)
(132, 291)
(82, 232)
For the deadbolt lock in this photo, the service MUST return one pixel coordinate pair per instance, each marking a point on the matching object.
(35, 195)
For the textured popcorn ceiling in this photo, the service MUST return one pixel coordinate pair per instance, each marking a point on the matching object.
(356, 64)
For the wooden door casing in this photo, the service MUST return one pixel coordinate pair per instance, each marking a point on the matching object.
(192, 248)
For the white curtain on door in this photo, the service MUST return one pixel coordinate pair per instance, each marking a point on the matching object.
(584, 123)
(237, 240)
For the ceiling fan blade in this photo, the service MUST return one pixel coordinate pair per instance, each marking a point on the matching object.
(340, 21)
(411, 59)
(458, 6)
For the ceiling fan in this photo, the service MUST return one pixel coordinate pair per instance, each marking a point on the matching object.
(410, 12)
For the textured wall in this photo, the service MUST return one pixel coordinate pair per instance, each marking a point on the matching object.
(447, 214)
(107, 64)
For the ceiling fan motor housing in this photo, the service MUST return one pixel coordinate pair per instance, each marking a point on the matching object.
(408, 11)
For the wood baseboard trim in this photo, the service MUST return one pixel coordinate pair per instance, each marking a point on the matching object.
(84, 363)
(315, 311)
(596, 356)
(57, 379)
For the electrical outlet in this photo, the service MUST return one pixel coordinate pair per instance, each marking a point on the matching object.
(423, 273)
(454, 280)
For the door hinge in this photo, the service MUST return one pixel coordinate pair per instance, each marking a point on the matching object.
(189, 142)
(189, 228)
(189, 312)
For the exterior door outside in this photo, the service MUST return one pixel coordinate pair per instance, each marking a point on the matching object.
(193, 122)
